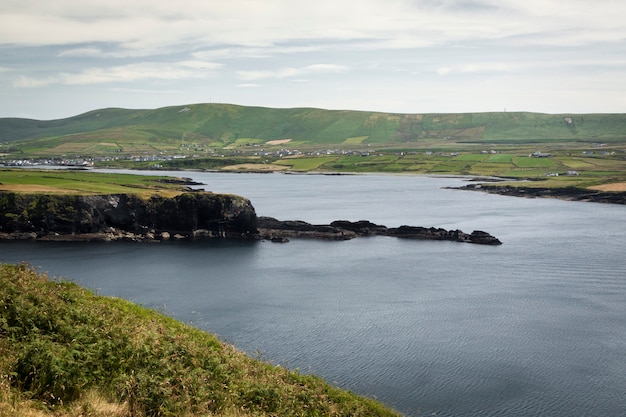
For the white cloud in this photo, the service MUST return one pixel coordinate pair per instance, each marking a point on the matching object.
(123, 73)
(202, 65)
(144, 91)
(155, 24)
(30, 82)
(117, 52)
(416, 52)
(266, 51)
(292, 72)
(557, 64)
(477, 68)
(89, 52)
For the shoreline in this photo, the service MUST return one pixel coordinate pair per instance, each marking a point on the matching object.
(565, 193)
(570, 193)
(598, 194)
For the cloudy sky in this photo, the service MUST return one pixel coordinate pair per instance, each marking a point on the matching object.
(59, 58)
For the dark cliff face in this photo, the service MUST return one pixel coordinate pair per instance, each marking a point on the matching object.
(219, 215)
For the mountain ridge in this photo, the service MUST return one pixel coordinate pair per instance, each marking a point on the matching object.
(221, 125)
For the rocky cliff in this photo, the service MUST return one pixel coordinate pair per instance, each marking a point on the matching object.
(188, 215)
(125, 216)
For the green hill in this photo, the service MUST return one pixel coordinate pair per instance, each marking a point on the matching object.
(65, 351)
(220, 125)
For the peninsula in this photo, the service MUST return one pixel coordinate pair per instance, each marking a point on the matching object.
(187, 215)
(86, 206)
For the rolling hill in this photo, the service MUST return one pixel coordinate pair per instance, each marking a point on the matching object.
(222, 125)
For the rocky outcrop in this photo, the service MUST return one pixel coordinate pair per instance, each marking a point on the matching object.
(188, 215)
(563, 193)
(125, 216)
(281, 231)
(432, 233)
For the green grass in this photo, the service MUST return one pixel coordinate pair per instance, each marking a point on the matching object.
(576, 163)
(361, 163)
(472, 157)
(247, 141)
(530, 162)
(500, 159)
(225, 125)
(66, 351)
(305, 164)
(355, 141)
(82, 182)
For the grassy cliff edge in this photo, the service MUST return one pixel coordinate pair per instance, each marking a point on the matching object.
(65, 351)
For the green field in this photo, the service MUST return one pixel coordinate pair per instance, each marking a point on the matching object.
(530, 162)
(83, 182)
(500, 159)
(471, 157)
(306, 164)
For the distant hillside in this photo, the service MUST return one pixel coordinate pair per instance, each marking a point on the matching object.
(220, 125)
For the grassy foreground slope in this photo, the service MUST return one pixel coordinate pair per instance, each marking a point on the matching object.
(220, 125)
(65, 351)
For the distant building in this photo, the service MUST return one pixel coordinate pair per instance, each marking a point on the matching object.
(539, 155)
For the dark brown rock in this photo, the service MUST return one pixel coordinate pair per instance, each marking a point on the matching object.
(563, 193)
(483, 238)
(361, 227)
(276, 230)
(126, 216)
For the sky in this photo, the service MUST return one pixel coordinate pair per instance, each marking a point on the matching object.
(60, 58)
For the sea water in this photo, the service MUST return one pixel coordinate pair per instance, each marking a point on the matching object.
(536, 326)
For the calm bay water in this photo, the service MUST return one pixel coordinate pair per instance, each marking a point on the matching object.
(536, 326)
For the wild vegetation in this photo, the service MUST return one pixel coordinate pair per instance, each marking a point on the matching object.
(65, 351)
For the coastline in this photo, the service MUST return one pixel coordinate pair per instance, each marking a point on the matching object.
(564, 193)
(598, 194)
(609, 193)
(478, 183)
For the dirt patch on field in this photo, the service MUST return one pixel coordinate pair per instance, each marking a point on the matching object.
(618, 186)
(254, 167)
(278, 141)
